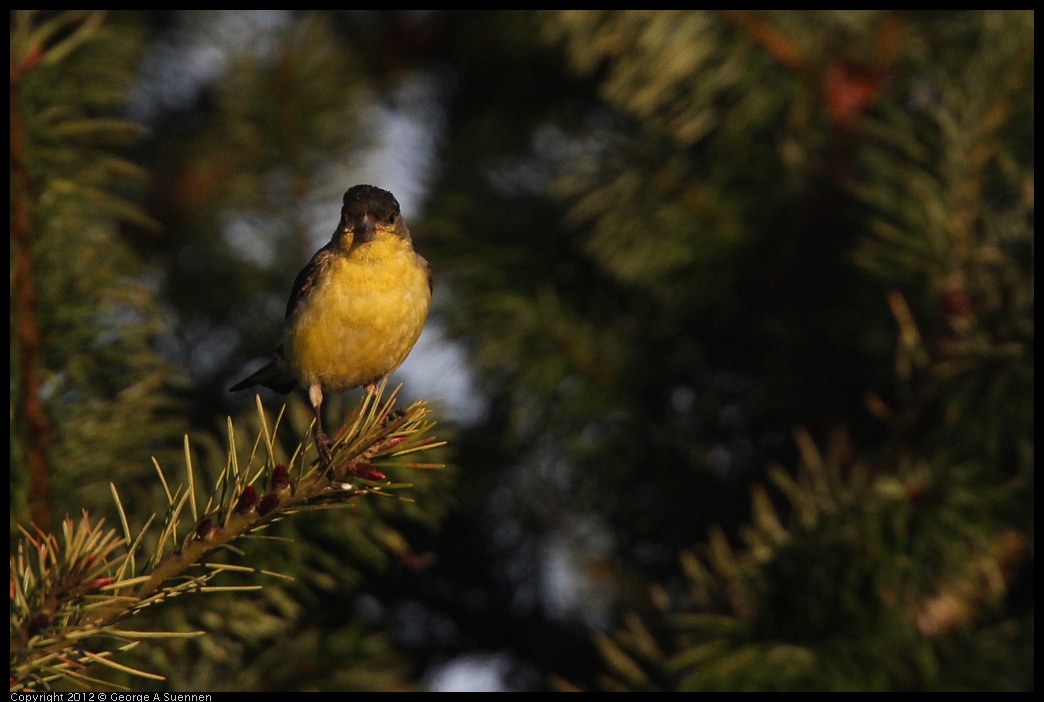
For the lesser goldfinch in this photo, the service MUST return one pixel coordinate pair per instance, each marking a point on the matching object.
(355, 310)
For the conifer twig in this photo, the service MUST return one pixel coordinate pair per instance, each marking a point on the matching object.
(83, 587)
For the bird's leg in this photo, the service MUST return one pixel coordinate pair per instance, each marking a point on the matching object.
(322, 443)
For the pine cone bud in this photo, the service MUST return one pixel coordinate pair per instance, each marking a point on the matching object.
(280, 478)
(391, 443)
(367, 471)
(247, 500)
(39, 622)
(204, 529)
(268, 503)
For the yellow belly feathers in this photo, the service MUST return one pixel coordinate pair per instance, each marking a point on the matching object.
(361, 322)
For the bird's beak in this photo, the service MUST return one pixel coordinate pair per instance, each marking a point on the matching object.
(364, 229)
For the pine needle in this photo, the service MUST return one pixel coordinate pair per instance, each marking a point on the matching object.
(163, 481)
(108, 662)
(191, 480)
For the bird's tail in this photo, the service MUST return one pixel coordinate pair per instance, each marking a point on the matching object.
(275, 375)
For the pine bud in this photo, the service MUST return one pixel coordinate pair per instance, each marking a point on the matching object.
(280, 478)
(247, 500)
(204, 529)
(367, 471)
(39, 622)
(850, 90)
(268, 503)
(391, 443)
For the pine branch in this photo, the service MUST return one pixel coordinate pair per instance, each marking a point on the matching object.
(800, 598)
(27, 332)
(71, 596)
(58, 164)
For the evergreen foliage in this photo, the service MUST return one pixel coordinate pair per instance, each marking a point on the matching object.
(84, 315)
(95, 324)
(86, 586)
(747, 297)
(761, 226)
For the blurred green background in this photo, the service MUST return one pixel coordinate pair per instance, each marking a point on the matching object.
(732, 336)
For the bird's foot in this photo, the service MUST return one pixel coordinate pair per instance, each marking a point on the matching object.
(322, 444)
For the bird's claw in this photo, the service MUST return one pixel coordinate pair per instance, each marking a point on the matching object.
(322, 444)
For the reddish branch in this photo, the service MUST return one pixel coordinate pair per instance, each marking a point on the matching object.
(30, 407)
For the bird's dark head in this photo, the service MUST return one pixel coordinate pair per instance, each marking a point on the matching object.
(368, 209)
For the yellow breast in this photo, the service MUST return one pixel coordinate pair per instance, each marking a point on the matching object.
(361, 320)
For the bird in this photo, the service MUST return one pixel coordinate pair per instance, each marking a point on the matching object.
(355, 310)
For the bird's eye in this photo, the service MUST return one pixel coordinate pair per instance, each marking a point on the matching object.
(392, 217)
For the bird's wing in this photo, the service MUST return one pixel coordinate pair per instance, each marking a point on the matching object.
(427, 271)
(308, 277)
